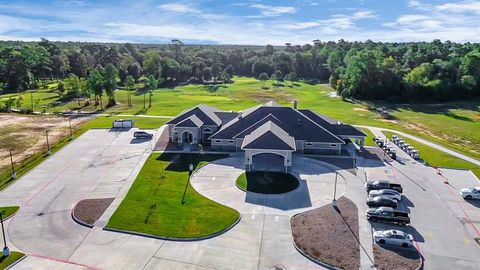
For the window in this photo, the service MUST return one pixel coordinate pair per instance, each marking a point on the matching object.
(218, 141)
(309, 144)
(333, 145)
(231, 141)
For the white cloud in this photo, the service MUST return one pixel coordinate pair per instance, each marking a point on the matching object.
(464, 6)
(179, 8)
(271, 11)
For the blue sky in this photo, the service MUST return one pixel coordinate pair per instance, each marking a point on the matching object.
(253, 22)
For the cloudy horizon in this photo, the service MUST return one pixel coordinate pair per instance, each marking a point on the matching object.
(240, 22)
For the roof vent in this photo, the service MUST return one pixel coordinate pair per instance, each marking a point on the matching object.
(299, 121)
(240, 115)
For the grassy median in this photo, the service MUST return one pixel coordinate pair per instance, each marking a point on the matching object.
(154, 203)
(434, 157)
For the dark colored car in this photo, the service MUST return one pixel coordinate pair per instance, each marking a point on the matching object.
(387, 214)
(142, 135)
(381, 201)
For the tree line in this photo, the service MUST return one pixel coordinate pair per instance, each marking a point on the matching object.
(416, 71)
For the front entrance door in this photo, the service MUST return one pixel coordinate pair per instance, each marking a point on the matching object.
(187, 137)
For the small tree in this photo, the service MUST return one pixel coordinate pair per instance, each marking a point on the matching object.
(130, 85)
(278, 76)
(152, 82)
(19, 102)
(263, 77)
(111, 75)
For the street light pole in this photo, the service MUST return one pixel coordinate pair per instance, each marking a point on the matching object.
(190, 170)
(70, 124)
(334, 202)
(14, 174)
(6, 250)
(48, 143)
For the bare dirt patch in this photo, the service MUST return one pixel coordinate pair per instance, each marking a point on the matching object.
(396, 258)
(25, 134)
(329, 236)
(90, 210)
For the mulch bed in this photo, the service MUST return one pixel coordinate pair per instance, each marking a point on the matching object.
(396, 258)
(90, 210)
(329, 236)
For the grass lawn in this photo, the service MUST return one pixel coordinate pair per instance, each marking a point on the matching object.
(267, 182)
(154, 203)
(9, 210)
(369, 139)
(7, 261)
(438, 158)
(98, 122)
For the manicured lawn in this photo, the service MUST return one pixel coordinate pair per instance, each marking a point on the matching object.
(7, 261)
(267, 182)
(154, 203)
(369, 139)
(438, 158)
(9, 210)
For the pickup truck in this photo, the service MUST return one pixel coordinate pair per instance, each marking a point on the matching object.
(376, 185)
(387, 214)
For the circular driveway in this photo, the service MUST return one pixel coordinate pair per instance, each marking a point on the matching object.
(217, 182)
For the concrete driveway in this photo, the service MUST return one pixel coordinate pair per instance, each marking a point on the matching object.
(444, 225)
(103, 163)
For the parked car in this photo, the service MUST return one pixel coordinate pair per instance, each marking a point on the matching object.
(392, 194)
(405, 146)
(386, 146)
(393, 237)
(387, 214)
(376, 185)
(410, 149)
(470, 193)
(391, 153)
(380, 201)
(400, 143)
(142, 135)
(414, 154)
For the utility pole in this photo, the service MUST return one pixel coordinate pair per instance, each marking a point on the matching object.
(48, 143)
(14, 174)
(334, 202)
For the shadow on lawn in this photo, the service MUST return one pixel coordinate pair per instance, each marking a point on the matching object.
(181, 162)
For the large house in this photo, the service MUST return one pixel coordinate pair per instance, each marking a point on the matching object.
(267, 128)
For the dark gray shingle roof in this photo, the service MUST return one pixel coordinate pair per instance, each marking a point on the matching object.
(269, 136)
(293, 122)
(205, 113)
(333, 126)
(192, 121)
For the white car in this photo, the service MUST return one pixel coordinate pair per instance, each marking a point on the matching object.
(392, 194)
(393, 237)
(470, 193)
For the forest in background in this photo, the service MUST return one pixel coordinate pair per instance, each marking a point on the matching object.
(393, 72)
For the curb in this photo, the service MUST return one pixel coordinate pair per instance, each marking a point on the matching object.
(77, 220)
(183, 239)
(186, 239)
(12, 215)
(16, 262)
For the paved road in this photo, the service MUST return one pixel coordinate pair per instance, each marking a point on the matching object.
(444, 225)
(378, 132)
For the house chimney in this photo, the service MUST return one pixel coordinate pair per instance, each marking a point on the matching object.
(240, 115)
(295, 104)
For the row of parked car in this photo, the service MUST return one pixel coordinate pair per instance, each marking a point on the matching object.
(407, 148)
(383, 199)
(389, 150)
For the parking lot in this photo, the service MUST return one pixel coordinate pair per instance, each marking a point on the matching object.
(445, 226)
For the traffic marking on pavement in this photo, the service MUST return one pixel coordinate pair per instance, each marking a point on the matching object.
(467, 217)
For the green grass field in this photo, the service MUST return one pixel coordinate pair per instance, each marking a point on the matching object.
(453, 125)
(438, 158)
(7, 261)
(369, 139)
(153, 204)
(9, 210)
